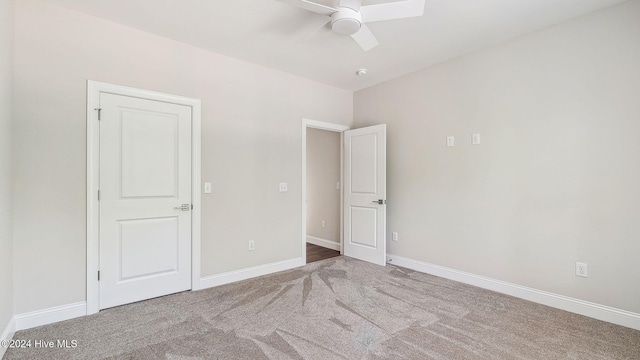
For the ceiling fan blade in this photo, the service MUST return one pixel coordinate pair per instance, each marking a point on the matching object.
(311, 6)
(392, 10)
(365, 38)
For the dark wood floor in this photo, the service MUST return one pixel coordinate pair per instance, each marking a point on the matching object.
(315, 253)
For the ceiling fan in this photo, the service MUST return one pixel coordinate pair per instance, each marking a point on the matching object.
(350, 17)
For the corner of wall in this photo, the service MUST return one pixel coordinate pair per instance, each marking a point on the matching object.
(7, 323)
(7, 334)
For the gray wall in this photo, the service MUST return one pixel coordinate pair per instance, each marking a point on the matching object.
(6, 84)
(251, 118)
(323, 172)
(555, 179)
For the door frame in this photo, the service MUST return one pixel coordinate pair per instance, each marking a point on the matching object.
(306, 123)
(94, 89)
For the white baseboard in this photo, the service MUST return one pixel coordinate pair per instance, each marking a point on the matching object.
(70, 311)
(323, 242)
(7, 334)
(50, 315)
(596, 311)
(243, 274)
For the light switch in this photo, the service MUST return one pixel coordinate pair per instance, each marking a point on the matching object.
(338, 185)
(207, 188)
(283, 187)
(450, 141)
(475, 139)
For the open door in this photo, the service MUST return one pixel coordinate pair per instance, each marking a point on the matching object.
(365, 191)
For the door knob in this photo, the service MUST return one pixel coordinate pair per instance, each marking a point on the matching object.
(380, 201)
(184, 207)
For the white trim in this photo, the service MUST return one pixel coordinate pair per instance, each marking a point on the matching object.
(248, 273)
(306, 123)
(196, 192)
(323, 242)
(94, 89)
(593, 310)
(93, 215)
(7, 334)
(51, 315)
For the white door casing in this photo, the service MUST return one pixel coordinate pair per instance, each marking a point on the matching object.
(365, 194)
(145, 178)
(156, 138)
(307, 123)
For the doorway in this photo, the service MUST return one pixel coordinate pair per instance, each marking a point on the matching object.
(321, 190)
(323, 194)
(143, 195)
(362, 190)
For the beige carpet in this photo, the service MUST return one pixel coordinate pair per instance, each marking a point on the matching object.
(338, 308)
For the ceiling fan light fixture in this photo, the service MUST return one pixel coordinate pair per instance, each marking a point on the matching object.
(349, 17)
(346, 21)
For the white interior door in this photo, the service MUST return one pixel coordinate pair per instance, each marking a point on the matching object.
(145, 199)
(365, 191)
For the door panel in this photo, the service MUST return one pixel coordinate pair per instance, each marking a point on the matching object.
(365, 185)
(364, 225)
(149, 161)
(364, 164)
(137, 237)
(145, 177)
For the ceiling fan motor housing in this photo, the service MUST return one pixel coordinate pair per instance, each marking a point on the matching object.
(346, 21)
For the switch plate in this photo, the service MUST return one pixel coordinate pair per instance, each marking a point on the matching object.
(338, 185)
(450, 141)
(324, 224)
(394, 236)
(283, 187)
(207, 188)
(252, 245)
(475, 139)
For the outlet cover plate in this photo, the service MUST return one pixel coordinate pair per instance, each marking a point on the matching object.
(581, 269)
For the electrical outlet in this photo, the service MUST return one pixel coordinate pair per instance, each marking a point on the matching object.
(283, 187)
(394, 236)
(581, 269)
(252, 245)
(324, 224)
(475, 139)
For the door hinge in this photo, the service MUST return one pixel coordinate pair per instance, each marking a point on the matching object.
(98, 275)
(191, 206)
(98, 194)
(99, 113)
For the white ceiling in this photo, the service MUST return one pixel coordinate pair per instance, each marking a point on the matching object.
(267, 32)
